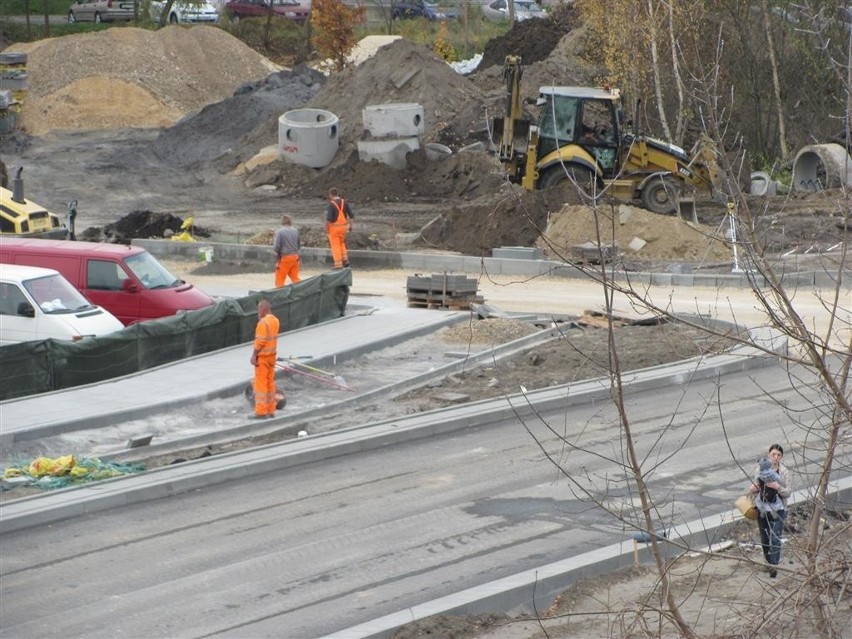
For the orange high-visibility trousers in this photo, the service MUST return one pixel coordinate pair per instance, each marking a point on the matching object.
(337, 242)
(264, 386)
(288, 265)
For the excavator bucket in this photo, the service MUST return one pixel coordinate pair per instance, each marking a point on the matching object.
(686, 208)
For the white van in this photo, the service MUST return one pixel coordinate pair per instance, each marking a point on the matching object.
(38, 303)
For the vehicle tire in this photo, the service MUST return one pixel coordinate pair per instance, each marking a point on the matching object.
(574, 182)
(98, 18)
(660, 195)
(71, 17)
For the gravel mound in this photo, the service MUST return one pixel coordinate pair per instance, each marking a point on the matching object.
(130, 77)
(234, 129)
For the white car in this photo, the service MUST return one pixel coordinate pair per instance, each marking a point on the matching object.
(100, 11)
(185, 12)
(498, 10)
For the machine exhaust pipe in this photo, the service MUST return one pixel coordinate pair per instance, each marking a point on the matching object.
(18, 187)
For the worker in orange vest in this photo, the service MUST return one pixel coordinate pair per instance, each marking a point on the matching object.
(338, 223)
(286, 246)
(263, 359)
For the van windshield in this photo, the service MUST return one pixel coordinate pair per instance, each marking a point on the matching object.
(54, 295)
(150, 272)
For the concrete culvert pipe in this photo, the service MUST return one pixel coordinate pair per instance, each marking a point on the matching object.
(309, 137)
(760, 183)
(822, 166)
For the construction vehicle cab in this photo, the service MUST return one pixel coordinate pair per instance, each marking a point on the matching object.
(24, 218)
(580, 140)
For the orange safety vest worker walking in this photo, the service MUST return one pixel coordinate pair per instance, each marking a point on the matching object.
(338, 223)
(263, 359)
(286, 246)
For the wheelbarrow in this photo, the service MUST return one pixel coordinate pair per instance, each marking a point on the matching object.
(291, 365)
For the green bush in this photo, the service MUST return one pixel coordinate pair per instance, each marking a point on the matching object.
(36, 7)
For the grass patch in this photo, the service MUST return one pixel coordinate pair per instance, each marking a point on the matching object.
(18, 32)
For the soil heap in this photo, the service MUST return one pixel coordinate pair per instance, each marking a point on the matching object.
(130, 77)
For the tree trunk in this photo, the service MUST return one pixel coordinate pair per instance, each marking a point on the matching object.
(776, 84)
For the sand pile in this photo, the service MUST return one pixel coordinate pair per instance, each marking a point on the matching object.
(129, 77)
(664, 237)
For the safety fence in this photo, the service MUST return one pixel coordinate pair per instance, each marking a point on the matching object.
(37, 367)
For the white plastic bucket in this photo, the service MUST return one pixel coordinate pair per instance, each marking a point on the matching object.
(438, 152)
(309, 137)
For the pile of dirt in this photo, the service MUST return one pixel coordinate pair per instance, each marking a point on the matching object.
(508, 217)
(234, 129)
(401, 72)
(130, 77)
(493, 330)
(533, 40)
(581, 354)
(464, 175)
(635, 231)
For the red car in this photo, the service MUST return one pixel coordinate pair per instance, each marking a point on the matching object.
(290, 9)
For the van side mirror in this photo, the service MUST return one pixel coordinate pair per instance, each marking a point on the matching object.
(128, 286)
(26, 309)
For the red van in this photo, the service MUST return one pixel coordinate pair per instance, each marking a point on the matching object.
(125, 280)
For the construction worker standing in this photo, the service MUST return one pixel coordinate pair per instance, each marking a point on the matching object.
(286, 246)
(263, 359)
(338, 223)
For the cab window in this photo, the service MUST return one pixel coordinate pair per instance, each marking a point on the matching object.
(10, 298)
(104, 276)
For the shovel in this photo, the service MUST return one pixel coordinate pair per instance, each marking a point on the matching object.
(324, 377)
(337, 379)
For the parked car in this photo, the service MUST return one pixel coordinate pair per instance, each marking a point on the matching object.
(409, 9)
(185, 12)
(498, 10)
(101, 11)
(38, 303)
(126, 280)
(290, 9)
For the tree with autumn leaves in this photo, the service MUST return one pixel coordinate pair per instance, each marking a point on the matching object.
(333, 24)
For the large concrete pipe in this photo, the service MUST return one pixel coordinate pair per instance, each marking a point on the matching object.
(822, 166)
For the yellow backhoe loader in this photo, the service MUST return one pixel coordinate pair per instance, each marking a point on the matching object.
(581, 138)
(24, 218)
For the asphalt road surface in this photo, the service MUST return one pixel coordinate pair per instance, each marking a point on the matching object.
(321, 547)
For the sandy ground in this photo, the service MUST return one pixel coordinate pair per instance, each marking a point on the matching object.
(562, 296)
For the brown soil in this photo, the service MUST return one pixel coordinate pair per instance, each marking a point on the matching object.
(583, 353)
(230, 104)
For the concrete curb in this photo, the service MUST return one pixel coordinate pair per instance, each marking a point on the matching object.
(439, 262)
(296, 421)
(161, 482)
(532, 590)
(165, 404)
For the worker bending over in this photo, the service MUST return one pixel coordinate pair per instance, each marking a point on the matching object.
(286, 246)
(263, 359)
(338, 223)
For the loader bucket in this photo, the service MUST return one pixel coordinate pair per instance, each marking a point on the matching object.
(686, 209)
